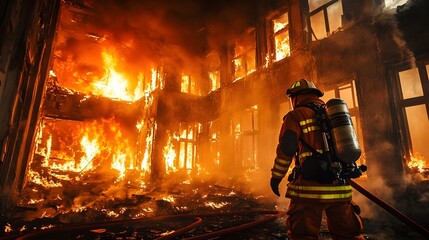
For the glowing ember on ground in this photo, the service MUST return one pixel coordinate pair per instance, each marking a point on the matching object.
(216, 205)
(168, 199)
(47, 227)
(8, 228)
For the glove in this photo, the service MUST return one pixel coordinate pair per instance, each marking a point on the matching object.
(274, 183)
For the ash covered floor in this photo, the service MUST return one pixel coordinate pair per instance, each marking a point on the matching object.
(99, 206)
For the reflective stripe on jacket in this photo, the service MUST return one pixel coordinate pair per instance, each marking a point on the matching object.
(302, 121)
(307, 190)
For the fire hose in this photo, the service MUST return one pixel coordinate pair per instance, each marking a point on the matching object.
(65, 229)
(396, 213)
(80, 227)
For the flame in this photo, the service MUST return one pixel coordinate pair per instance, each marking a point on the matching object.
(169, 199)
(280, 23)
(145, 165)
(102, 143)
(215, 79)
(184, 85)
(8, 228)
(47, 227)
(139, 125)
(112, 83)
(417, 162)
(169, 155)
(52, 73)
(281, 37)
(237, 130)
(282, 46)
(216, 205)
(43, 181)
(91, 149)
(239, 68)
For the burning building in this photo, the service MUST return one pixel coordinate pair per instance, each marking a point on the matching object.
(102, 101)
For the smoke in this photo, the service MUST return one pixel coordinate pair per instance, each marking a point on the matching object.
(393, 4)
(387, 22)
(156, 32)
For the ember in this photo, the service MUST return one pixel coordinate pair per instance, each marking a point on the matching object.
(159, 119)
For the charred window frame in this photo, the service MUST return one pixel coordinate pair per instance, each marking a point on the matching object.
(214, 138)
(156, 80)
(325, 17)
(213, 68)
(189, 85)
(411, 94)
(245, 127)
(279, 36)
(187, 146)
(347, 92)
(244, 61)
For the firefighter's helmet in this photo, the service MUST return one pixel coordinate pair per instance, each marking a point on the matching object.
(303, 86)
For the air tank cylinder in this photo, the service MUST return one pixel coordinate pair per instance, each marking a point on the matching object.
(346, 144)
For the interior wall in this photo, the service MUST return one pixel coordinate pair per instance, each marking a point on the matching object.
(26, 51)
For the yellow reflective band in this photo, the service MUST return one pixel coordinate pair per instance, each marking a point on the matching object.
(278, 174)
(282, 161)
(321, 188)
(307, 121)
(281, 168)
(319, 196)
(309, 129)
(306, 154)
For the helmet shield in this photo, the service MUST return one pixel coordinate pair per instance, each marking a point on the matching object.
(303, 86)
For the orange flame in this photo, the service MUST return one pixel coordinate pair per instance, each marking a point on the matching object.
(169, 155)
(114, 84)
(101, 144)
(417, 162)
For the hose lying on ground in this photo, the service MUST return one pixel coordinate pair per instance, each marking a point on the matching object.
(61, 231)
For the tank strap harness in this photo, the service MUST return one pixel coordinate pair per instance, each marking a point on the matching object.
(325, 167)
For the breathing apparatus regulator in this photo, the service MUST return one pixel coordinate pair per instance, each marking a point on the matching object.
(341, 145)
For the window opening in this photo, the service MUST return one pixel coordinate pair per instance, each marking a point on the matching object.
(213, 60)
(325, 17)
(189, 85)
(244, 61)
(413, 95)
(245, 129)
(214, 136)
(281, 39)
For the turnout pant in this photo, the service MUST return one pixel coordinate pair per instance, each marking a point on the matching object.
(304, 220)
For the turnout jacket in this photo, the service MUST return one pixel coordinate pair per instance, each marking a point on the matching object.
(301, 123)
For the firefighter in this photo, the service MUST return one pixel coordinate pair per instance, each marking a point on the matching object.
(309, 197)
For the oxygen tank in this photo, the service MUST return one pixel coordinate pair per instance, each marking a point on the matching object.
(346, 144)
